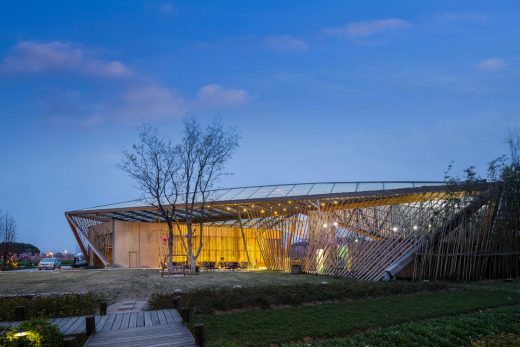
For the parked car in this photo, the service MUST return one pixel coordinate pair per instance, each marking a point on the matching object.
(79, 261)
(49, 264)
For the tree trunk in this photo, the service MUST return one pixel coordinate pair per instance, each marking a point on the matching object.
(170, 245)
(191, 257)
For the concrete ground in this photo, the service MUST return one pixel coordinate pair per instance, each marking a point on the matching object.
(119, 285)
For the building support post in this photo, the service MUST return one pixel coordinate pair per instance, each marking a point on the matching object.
(243, 235)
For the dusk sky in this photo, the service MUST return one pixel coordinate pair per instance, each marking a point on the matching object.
(319, 91)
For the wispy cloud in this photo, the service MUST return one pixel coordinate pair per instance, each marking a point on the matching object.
(361, 30)
(150, 100)
(285, 43)
(491, 64)
(136, 97)
(40, 57)
(214, 95)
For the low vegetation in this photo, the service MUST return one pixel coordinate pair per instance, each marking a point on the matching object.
(49, 306)
(33, 333)
(208, 300)
(490, 328)
(267, 327)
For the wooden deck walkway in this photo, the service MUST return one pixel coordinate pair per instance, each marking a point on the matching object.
(174, 335)
(143, 328)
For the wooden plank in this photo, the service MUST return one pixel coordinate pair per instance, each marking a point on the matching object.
(176, 316)
(162, 317)
(132, 323)
(155, 318)
(78, 327)
(147, 319)
(117, 321)
(140, 319)
(101, 322)
(168, 316)
(68, 323)
(110, 322)
(125, 321)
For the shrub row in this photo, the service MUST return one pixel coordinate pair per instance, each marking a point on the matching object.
(49, 306)
(495, 327)
(223, 299)
(38, 333)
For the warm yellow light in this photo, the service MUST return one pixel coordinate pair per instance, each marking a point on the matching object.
(21, 334)
(335, 202)
(285, 209)
(244, 210)
(275, 212)
(335, 224)
(325, 225)
(290, 202)
(252, 206)
(322, 204)
(228, 208)
(262, 211)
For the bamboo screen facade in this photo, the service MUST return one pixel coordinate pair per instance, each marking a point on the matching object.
(408, 229)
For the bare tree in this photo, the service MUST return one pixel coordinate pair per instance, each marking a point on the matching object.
(202, 155)
(183, 174)
(7, 236)
(151, 163)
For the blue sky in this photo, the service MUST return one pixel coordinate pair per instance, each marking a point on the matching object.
(319, 90)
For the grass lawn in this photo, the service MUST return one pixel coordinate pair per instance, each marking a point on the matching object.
(267, 327)
(117, 284)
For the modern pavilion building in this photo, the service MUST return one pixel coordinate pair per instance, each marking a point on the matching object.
(362, 230)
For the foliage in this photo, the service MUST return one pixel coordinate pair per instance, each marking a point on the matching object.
(38, 333)
(502, 340)
(496, 327)
(268, 327)
(49, 306)
(21, 247)
(8, 233)
(211, 299)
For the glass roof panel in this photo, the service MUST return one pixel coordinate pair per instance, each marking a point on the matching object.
(369, 186)
(226, 194)
(246, 193)
(398, 185)
(300, 189)
(344, 187)
(321, 188)
(281, 191)
(263, 192)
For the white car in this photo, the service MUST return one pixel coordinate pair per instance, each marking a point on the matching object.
(49, 264)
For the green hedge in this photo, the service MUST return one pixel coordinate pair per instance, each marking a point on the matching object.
(495, 327)
(49, 306)
(37, 333)
(209, 300)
